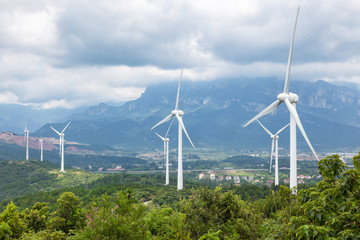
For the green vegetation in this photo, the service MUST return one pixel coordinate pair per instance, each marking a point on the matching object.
(18, 178)
(81, 205)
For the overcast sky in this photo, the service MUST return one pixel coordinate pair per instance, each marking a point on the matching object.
(75, 53)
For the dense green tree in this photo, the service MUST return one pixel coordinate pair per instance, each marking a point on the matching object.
(328, 211)
(119, 218)
(69, 214)
(11, 217)
(36, 218)
(210, 235)
(212, 209)
(275, 201)
(166, 223)
(5, 231)
(44, 235)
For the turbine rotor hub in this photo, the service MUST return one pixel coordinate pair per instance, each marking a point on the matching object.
(282, 96)
(178, 112)
(293, 98)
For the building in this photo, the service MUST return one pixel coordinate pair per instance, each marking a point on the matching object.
(236, 179)
(117, 168)
(201, 176)
(212, 176)
(221, 178)
(228, 177)
(270, 181)
(286, 181)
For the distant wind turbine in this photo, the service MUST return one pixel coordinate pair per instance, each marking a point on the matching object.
(275, 138)
(290, 100)
(26, 131)
(61, 145)
(41, 143)
(166, 152)
(178, 114)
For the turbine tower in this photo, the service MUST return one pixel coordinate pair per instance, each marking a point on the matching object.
(41, 143)
(26, 131)
(275, 138)
(290, 100)
(61, 144)
(178, 114)
(166, 152)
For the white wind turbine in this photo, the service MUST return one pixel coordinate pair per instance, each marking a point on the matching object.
(290, 100)
(166, 152)
(26, 131)
(275, 139)
(61, 144)
(41, 143)
(178, 114)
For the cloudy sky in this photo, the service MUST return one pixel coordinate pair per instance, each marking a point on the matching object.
(75, 53)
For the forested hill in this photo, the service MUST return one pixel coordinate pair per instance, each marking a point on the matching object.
(120, 206)
(19, 178)
(27, 182)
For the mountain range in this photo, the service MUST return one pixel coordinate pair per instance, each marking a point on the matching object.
(214, 114)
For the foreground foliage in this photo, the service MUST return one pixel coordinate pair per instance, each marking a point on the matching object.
(329, 210)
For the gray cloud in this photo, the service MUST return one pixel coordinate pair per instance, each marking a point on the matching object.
(72, 53)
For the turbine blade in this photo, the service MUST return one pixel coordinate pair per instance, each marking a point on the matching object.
(65, 127)
(295, 115)
(183, 127)
(160, 136)
(267, 110)
(287, 79)
(169, 128)
(278, 132)
(55, 130)
(164, 120)
(178, 92)
(266, 130)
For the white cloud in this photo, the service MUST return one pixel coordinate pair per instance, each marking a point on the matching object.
(73, 53)
(8, 97)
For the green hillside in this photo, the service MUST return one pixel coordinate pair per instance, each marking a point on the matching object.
(20, 177)
(81, 205)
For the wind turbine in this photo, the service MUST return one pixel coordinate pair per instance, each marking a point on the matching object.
(41, 143)
(61, 144)
(178, 114)
(275, 138)
(26, 131)
(166, 152)
(290, 100)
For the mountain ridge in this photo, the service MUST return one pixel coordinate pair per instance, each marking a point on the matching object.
(222, 107)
